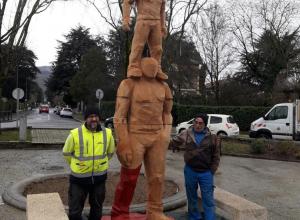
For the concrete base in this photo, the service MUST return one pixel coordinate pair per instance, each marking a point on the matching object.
(13, 195)
(236, 207)
(46, 206)
(132, 216)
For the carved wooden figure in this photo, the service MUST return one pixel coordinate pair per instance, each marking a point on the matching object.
(143, 123)
(149, 28)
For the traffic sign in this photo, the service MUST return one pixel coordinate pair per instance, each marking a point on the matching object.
(99, 94)
(18, 93)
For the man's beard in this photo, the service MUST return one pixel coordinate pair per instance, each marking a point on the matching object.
(93, 125)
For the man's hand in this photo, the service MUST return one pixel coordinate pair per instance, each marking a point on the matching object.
(174, 149)
(125, 26)
(124, 153)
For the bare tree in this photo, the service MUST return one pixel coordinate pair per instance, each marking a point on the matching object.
(109, 10)
(251, 18)
(15, 33)
(214, 42)
(178, 13)
(252, 21)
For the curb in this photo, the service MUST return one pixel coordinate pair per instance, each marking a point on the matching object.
(259, 157)
(14, 195)
(29, 145)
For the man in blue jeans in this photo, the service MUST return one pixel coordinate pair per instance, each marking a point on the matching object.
(202, 157)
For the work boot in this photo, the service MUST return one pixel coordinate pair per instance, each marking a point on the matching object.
(124, 193)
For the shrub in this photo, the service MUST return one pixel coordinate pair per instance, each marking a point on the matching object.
(107, 109)
(297, 155)
(285, 148)
(258, 146)
(243, 115)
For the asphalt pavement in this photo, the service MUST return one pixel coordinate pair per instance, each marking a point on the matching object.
(272, 184)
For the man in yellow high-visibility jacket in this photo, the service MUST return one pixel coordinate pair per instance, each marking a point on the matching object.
(88, 150)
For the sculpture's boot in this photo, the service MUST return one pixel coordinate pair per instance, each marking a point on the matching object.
(155, 193)
(156, 53)
(161, 75)
(124, 193)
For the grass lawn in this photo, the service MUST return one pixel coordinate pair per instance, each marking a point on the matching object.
(272, 149)
(78, 116)
(13, 135)
(231, 147)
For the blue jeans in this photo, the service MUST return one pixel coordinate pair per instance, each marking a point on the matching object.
(206, 183)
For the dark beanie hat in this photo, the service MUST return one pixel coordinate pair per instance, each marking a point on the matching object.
(91, 111)
(204, 118)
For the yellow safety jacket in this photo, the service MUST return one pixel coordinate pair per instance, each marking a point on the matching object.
(88, 152)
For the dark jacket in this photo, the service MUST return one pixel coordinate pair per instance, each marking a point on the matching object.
(203, 157)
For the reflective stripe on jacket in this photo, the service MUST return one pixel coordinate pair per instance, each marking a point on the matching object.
(88, 152)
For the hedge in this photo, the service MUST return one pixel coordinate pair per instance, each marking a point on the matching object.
(243, 115)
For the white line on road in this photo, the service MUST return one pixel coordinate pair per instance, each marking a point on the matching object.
(1, 201)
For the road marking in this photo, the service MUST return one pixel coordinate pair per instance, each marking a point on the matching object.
(1, 201)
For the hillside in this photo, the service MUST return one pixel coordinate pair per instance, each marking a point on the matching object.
(43, 76)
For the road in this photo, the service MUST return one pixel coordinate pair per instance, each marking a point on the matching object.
(44, 120)
(51, 120)
(273, 184)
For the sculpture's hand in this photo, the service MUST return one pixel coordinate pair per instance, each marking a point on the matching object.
(124, 153)
(125, 26)
(164, 32)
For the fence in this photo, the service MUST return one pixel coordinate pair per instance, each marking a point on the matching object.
(5, 116)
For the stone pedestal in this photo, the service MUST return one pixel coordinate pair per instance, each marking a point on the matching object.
(133, 216)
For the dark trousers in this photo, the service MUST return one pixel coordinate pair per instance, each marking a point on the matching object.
(77, 196)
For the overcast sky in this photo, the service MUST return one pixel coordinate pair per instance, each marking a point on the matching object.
(50, 26)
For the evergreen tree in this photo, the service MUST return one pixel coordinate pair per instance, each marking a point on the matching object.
(78, 43)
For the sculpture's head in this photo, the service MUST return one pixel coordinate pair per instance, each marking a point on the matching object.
(149, 67)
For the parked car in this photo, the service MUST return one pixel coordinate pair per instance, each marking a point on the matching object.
(56, 109)
(109, 122)
(217, 123)
(44, 108)
(66, 112)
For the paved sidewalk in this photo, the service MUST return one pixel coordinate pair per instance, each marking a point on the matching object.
(49, 136)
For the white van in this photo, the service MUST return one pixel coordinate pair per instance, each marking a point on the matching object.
(217, 123)
(281, 122)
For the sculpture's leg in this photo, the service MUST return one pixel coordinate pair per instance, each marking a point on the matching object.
(124, 193)
(141, 32)
(155, 171)
(126, 186)
(155, 46)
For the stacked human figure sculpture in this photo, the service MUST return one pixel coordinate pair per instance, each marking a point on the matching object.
(143, 117)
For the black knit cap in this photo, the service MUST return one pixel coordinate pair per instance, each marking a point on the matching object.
(204, 118)
(91, 111)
